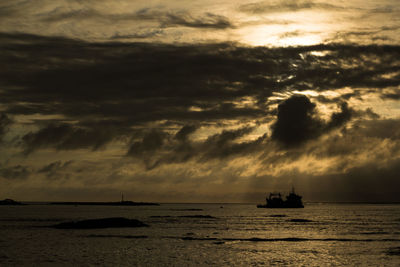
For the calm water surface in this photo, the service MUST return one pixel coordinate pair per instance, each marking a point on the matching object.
(234, 234)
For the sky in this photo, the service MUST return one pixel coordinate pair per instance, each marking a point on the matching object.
(199, 101)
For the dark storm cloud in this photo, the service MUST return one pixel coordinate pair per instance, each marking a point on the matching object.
(14, 172)
(156, 147)
(165, 19)
(298, 121)
(208, 20)
(54, 169)
(340, 118)
(373, 138)
(5, 121)
(135, 82)
(137, 35)
(185, 131)
(225, 144)
(285, 6)
(151, 142)
(358, 36)
(65, 137)
(179, 148)
(108, 89)
(54, 166)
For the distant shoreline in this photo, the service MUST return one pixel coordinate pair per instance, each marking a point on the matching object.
(132, 203)
(120, 203)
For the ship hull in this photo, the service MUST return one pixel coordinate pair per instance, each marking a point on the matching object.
(275, 201)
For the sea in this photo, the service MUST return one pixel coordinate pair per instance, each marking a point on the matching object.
(321, 234)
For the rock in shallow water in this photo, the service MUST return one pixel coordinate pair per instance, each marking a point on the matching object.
(101, 223)
(198, 216)
(300, 220)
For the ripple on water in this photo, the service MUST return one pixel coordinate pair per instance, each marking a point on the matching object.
(393, 251)
(118, 236)
(300, 220)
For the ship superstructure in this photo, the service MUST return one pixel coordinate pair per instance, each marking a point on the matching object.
(274, 200)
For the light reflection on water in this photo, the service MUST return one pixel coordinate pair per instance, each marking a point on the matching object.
(238, 235)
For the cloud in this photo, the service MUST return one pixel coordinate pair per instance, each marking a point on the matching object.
(285, 6)
(14, 172)
(55, 169)
(165, 19)
(110, 91)
(93, 78)
(157, 148)
(183, 134)
(380, 128)
(340, 118)
(12, 8)
(393, 94)
(208, 20)
(296, 122)
(5, 122)
(138, 35)
(66, 137)
(224, 144)
(150, 143)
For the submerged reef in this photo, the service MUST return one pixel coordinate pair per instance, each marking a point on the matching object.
(300, 220)
(198, 216)
(116, 222)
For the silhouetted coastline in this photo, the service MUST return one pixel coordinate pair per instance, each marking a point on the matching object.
(118, 203)
(8, 201)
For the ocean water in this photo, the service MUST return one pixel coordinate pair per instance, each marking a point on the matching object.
(230, 234)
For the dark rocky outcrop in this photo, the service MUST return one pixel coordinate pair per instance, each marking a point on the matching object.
(300, 220)
(198, 216)
(8, 201)
(116, 222)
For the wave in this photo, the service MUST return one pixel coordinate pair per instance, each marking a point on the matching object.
(286, 239)
(393, 251)
(375, 233)
(300, 220)
(187, 209)
(117, 236)
(32, 219)
(197, 216)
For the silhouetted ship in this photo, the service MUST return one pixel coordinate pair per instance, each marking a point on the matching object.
(275, 201)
